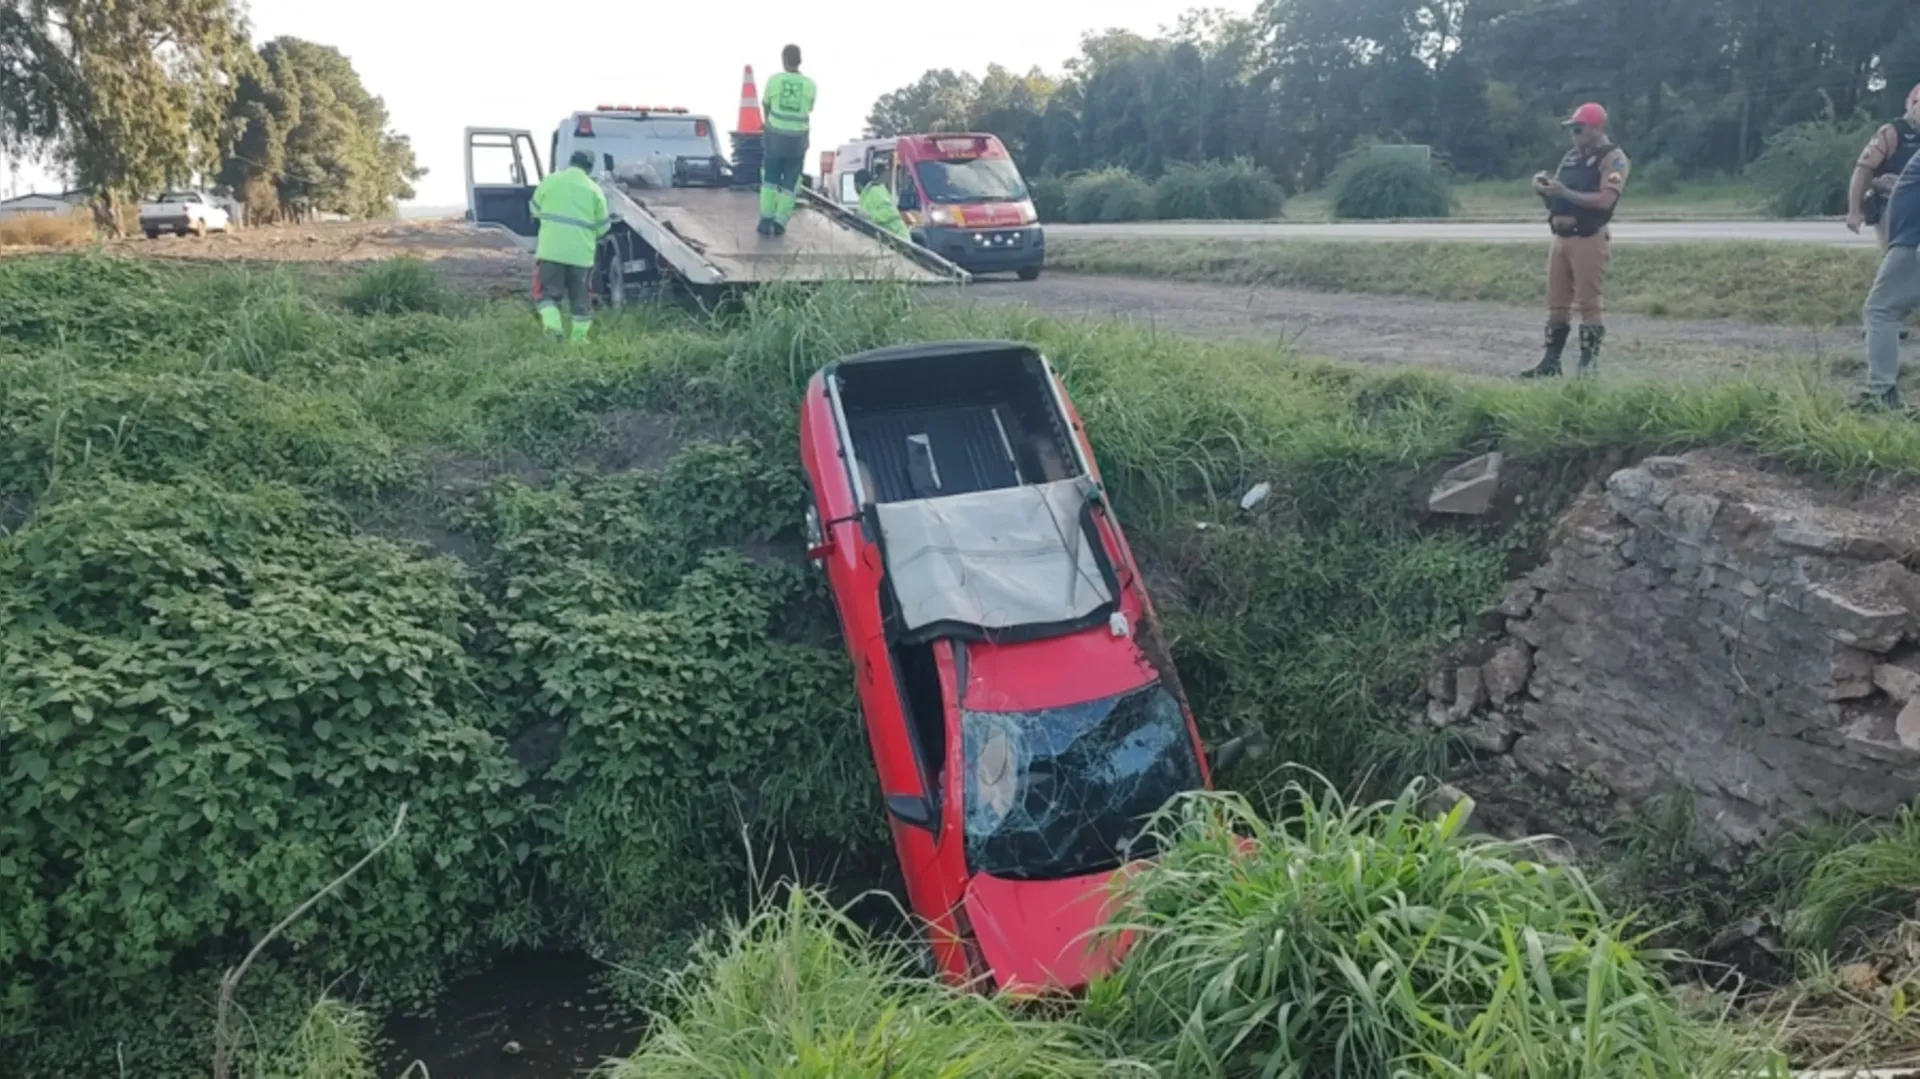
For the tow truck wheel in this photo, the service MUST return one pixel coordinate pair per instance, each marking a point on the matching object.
(1029, 273)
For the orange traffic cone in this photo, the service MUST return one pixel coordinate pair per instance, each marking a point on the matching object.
(749, 106)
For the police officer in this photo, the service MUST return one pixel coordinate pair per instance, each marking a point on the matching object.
(1880, 164)
(572, 211)
(1580, 200)
(1896, 292)
(788, 109)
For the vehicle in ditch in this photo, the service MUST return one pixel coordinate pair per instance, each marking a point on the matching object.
(1025, 719)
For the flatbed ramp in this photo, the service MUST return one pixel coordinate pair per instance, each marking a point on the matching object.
(708, 236)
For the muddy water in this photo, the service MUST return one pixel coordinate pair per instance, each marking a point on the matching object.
(529, 1016)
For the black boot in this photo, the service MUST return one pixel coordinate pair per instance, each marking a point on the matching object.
(1549, 365)
(1888, 401)
(1590, 338)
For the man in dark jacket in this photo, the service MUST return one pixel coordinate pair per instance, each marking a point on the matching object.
(1896, 292)
(1580, 201)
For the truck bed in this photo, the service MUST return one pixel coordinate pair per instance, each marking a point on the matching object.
(708, 236)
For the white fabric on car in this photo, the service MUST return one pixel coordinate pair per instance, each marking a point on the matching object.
(998, 560)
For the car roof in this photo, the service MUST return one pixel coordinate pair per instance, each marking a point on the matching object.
(929, 349)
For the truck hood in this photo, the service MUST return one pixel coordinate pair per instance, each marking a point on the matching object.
(987, 215)
(1041, 936)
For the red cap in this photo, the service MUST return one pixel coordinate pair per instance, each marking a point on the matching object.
(1588, 115)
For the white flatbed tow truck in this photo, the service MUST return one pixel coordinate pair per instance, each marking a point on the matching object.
(678, 215)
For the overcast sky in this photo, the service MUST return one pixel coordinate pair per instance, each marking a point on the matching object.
(442, 65)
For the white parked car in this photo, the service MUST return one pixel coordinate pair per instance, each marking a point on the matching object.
(183, 212)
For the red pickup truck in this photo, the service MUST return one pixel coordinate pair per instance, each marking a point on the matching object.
(1023, 718)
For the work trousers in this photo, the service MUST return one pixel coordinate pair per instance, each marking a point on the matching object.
(1896, 292)
(558, 281)
(786, 158)
(1577, 278)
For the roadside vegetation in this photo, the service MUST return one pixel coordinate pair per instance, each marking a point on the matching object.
(279, 559)
(1774, 284)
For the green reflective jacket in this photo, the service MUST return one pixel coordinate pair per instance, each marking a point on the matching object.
(572, 211)
(789, 103)
(877, 203)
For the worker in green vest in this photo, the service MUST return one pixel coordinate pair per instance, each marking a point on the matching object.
(878, 204)
(788, 110)
(572, 212)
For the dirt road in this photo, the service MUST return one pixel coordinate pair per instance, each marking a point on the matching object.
(1830, 233)
(1476, 338)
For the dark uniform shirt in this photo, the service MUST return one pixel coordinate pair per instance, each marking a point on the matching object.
(1604, 168)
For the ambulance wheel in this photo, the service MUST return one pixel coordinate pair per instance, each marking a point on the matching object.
(1029, 273)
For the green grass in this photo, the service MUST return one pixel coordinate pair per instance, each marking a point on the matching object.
(1784, 284)
(799, 991)
(1513, 200)
(1350, 940)
(236, 470)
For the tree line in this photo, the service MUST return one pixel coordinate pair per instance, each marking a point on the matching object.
(129, 98)
(1297, 85)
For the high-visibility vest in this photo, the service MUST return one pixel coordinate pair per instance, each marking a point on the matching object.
(572, 211)
(877, 203)
(789, 103)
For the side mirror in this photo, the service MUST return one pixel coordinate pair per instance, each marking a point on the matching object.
(911, 810)
(1226, 754)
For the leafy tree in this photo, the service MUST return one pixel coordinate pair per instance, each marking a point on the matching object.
(128, 96)
(1299, 83)
(940, 101)
(308, 136)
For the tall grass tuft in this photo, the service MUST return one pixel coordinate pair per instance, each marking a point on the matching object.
(1875, 874)
(401, 286)
(1372, 941)
(334, 1042)
(801, 992)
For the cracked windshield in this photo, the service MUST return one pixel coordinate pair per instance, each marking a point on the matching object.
(1061, 792)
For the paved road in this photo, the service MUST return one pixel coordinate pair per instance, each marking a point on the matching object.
(1829, 233)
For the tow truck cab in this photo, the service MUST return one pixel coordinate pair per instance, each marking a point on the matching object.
(961, 195)
(1024, 715)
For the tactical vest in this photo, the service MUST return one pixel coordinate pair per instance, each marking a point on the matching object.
(1581, 172)
(1903, 151)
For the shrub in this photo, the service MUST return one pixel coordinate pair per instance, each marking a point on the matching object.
(1660, 177)
(1049, 195)
(1108, 195)
(1371, 941)
(800, 991)
(396, 287)
(48, 230)
(1238, 190)
(233, 674)
(1369, 186)
(1805, 169)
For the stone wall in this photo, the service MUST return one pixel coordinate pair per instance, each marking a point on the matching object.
(1701, 626)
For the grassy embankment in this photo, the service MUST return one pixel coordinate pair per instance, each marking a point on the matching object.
(278, 561)
(1783, 284)
(1511, 200)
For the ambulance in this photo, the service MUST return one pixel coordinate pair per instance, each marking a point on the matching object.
(961, 195)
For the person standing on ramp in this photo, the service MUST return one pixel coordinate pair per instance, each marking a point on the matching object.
(1580, 202)
(789, 113)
